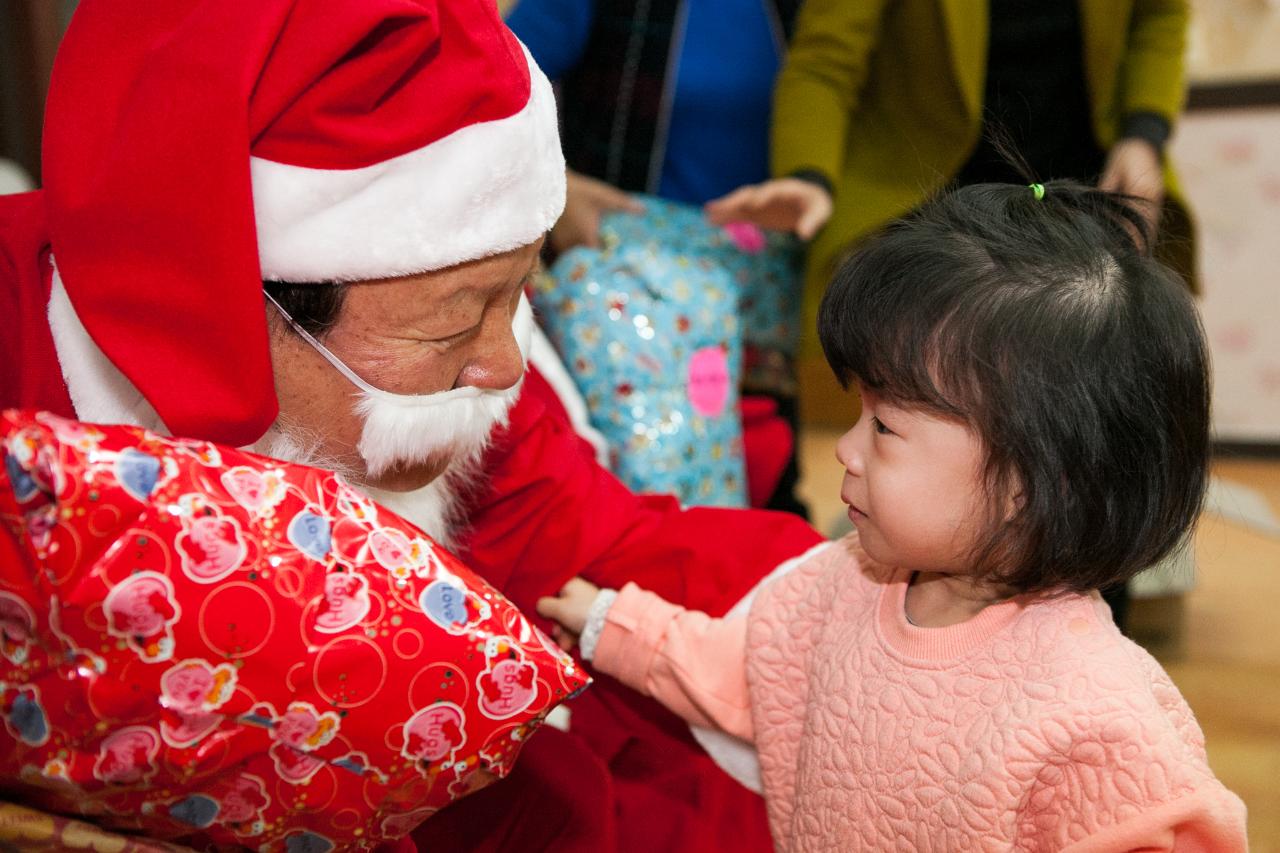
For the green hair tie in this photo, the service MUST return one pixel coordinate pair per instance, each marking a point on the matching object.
(1037, 190)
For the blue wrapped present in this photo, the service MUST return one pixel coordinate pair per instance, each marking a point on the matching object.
(652, 340)
(765, 265)
(652, 328)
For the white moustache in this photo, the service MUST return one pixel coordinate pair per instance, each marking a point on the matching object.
(406, 431)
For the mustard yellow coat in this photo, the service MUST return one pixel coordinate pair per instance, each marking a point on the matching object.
(885, 97)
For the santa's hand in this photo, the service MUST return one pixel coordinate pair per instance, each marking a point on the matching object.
(586, 200)
(783, 204)
(570, 608)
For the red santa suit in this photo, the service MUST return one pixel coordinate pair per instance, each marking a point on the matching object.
(628, 775)
(151, 286)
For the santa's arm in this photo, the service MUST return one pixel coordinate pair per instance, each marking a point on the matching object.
(550, 512)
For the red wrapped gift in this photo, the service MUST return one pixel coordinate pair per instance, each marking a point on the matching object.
(204, 644)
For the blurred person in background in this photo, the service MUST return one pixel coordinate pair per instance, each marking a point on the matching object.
(883, 103)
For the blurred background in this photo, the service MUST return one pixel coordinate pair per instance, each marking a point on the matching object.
(1209, 618)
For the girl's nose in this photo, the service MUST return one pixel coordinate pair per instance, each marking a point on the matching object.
(848, 451)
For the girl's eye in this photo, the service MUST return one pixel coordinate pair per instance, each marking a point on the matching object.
(879, 427)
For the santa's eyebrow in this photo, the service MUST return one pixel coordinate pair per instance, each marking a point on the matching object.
(533, 266)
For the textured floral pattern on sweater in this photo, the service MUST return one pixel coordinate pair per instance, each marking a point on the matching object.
(1040, 728)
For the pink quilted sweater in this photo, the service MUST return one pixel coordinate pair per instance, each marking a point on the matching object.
(1033, 726)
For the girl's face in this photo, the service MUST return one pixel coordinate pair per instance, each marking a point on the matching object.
(914, 486)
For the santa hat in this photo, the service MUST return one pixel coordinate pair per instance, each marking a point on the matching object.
(195, 147)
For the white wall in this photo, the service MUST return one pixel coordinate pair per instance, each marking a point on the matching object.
(1229, 161)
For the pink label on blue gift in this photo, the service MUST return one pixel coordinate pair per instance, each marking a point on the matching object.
(708, 381)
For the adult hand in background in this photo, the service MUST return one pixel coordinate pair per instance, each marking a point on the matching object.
(1133, 168)
(586, 200)
(782, 204)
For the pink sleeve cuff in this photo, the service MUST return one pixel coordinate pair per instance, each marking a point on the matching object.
(1212, 819)
(633, 634)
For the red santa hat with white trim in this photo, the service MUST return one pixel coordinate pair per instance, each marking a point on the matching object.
(194, 148)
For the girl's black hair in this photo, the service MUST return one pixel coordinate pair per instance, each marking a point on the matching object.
(1047, 327)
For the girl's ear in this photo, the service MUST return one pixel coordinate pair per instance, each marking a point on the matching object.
(1014, 502)
(1009, 499)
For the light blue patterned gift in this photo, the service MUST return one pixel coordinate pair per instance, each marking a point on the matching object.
(651, 337)
(766, 265)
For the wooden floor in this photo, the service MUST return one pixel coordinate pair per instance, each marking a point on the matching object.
(1220, 642)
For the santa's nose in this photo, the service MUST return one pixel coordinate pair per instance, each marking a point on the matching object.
(497, 367)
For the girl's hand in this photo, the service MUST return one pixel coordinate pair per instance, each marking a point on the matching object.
(1133, 168)
(586, 200)
(570, 610)
(783, 204)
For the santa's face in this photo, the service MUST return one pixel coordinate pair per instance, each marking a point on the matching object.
(434, 362)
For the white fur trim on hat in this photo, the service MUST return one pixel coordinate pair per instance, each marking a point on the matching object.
(482, 190)
(100, 393)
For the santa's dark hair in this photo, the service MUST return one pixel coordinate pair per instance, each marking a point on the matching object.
(314, 305)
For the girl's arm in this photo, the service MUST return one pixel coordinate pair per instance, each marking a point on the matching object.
(1122, 774)
(688, 661)
(1209, 819)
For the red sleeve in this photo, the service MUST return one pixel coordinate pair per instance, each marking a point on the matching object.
(30, 377)
(550, 512)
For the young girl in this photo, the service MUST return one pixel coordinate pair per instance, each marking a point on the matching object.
(1035, 412)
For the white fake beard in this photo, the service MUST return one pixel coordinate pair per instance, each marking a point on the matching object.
(398, 432)
(405, 431)
(286, 441)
